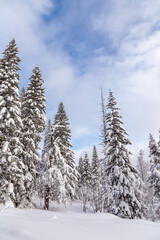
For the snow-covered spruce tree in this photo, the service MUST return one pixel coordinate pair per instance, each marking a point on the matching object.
(52, 180)
(143, 170)
(22, 95)
(80, 169)
(33, 117)
(157, 164)
(2, 69)
(62, 136)
(154, 176)
(44, 158)
(103, 136)
(86, 188)
(95, 182)
(11, 164)
(46, 145)
(124, 198)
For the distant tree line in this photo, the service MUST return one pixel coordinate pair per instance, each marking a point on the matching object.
(109, 184)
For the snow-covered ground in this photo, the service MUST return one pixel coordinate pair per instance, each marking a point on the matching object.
(72, 224)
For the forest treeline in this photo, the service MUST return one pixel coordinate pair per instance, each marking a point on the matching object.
(108, 184)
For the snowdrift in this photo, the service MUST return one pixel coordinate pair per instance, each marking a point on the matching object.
(72, 224)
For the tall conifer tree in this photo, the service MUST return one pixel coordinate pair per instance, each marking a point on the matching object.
(96, 181)
(46, 145)
(80, 169)
(11, 165)
(154, 176)
(86, 189)
(62, 136)
(52, 180)
(103, 135)
(33, 117)
(143, 170)
(123, 198)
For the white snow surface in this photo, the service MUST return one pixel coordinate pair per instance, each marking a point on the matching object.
(71, 223)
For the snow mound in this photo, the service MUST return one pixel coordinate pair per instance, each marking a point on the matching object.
(36, 224)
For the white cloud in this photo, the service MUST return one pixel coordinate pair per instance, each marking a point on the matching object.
(40, 6)
(118, 19)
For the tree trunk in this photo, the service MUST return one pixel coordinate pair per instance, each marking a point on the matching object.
(46, 199)
(84, 208)
(84, 205)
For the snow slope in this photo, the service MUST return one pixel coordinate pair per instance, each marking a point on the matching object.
(72, 224)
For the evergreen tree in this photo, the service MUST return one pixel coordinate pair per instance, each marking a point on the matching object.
(52, 182)
(11, 149)
(86, 189)
(103, 135)
(22, 95)
(87, 171)
(80, 170)
(46, 145)
(124, 198)
(36, 100)
(154, 176)
(62, 136)
(39, 185)
(33, 117)
(143, 169)
(95, 182)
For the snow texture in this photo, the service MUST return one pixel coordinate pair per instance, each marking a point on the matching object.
(72, 224)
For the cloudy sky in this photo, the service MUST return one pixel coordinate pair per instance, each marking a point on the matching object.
(82, 45)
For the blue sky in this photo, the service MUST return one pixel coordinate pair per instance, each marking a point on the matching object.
(83, 45)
